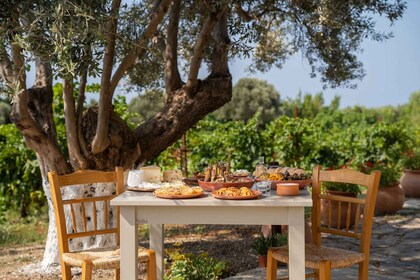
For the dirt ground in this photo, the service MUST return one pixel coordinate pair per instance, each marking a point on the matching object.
(228, 243)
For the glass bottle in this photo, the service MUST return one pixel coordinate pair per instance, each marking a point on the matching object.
(260, 168)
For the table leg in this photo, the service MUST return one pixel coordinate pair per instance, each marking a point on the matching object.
(128, 237)
(296, 237)
(156, 243)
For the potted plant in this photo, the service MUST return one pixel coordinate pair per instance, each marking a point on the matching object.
(341, 189)
(262, 243)
(390, 196)
(410, 180)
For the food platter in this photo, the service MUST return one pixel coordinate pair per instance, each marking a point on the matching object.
(179, 196)
(302, 183)
(139, 189)
(212, 186)
(255, 195)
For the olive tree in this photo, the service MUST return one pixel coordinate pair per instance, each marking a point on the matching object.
(158, 43)
(250, 96)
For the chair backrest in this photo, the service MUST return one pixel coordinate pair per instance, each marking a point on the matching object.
(364, 206)
(89, 209)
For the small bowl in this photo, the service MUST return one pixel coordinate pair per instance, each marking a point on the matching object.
(287, 189)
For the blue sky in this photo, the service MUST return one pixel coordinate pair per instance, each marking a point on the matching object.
(392, 68)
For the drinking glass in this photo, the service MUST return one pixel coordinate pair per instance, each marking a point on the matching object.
(264, 187)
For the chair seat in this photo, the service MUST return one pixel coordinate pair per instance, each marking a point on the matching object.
(102, 258)
(339, 258)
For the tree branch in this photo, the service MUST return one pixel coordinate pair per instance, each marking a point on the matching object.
(79, 113)
(76, 158)
(220, 66)
(199, 48)
(138, 51)
(19, 71)
(6, 68)
(246, 16)
(101, 140)
(172, 76)
(43, 76)
(34, 135)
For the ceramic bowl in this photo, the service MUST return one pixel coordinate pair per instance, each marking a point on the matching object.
(287, 189)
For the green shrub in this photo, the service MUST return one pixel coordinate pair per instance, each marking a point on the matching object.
(20, 177)
(412, 162)
(389, 175)
(195, 267)
(342, 187)
(262, 243)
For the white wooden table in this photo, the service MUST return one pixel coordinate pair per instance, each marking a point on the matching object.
(144, 208)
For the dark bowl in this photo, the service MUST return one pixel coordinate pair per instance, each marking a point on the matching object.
(212, 186)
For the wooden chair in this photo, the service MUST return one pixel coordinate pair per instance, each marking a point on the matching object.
(88, 210)
(320, 258)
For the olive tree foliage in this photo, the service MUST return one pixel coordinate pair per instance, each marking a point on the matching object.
(159, 43)
(251, 96)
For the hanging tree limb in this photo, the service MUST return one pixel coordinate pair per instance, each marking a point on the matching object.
(220, 66)
(199, 48)
(101, 140)
(75, 156)
(172, 76)
(79, 113)
(6, 67)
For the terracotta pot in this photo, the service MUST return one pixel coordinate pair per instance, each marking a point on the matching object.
(334, 210)
(389, 200)
(262, 260)
(410, 182)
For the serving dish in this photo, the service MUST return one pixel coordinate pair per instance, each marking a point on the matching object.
(212, 186)
(179, 196)
(255, 195)
(139, 189)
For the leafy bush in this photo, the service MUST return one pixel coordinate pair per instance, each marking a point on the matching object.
(389, 175)
(195, 267)
(20, 177)
(262, 243)
(342, 187)
(412, 162)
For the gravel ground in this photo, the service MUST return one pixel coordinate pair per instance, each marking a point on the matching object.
(228, 243)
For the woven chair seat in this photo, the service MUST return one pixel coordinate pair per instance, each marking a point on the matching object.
(102, 258)
(339, 258)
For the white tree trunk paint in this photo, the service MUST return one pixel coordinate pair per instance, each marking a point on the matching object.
(52, 252)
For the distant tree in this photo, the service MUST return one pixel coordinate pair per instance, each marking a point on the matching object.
(251, 96)
(146, 105)
(412, 110)
(307, 107)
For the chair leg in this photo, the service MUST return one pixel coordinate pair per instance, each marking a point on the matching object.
(325, 270)
(363, 270)
(271, 273)
(87, 268)
(117, 274)
(65, 271)
(151, 266)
